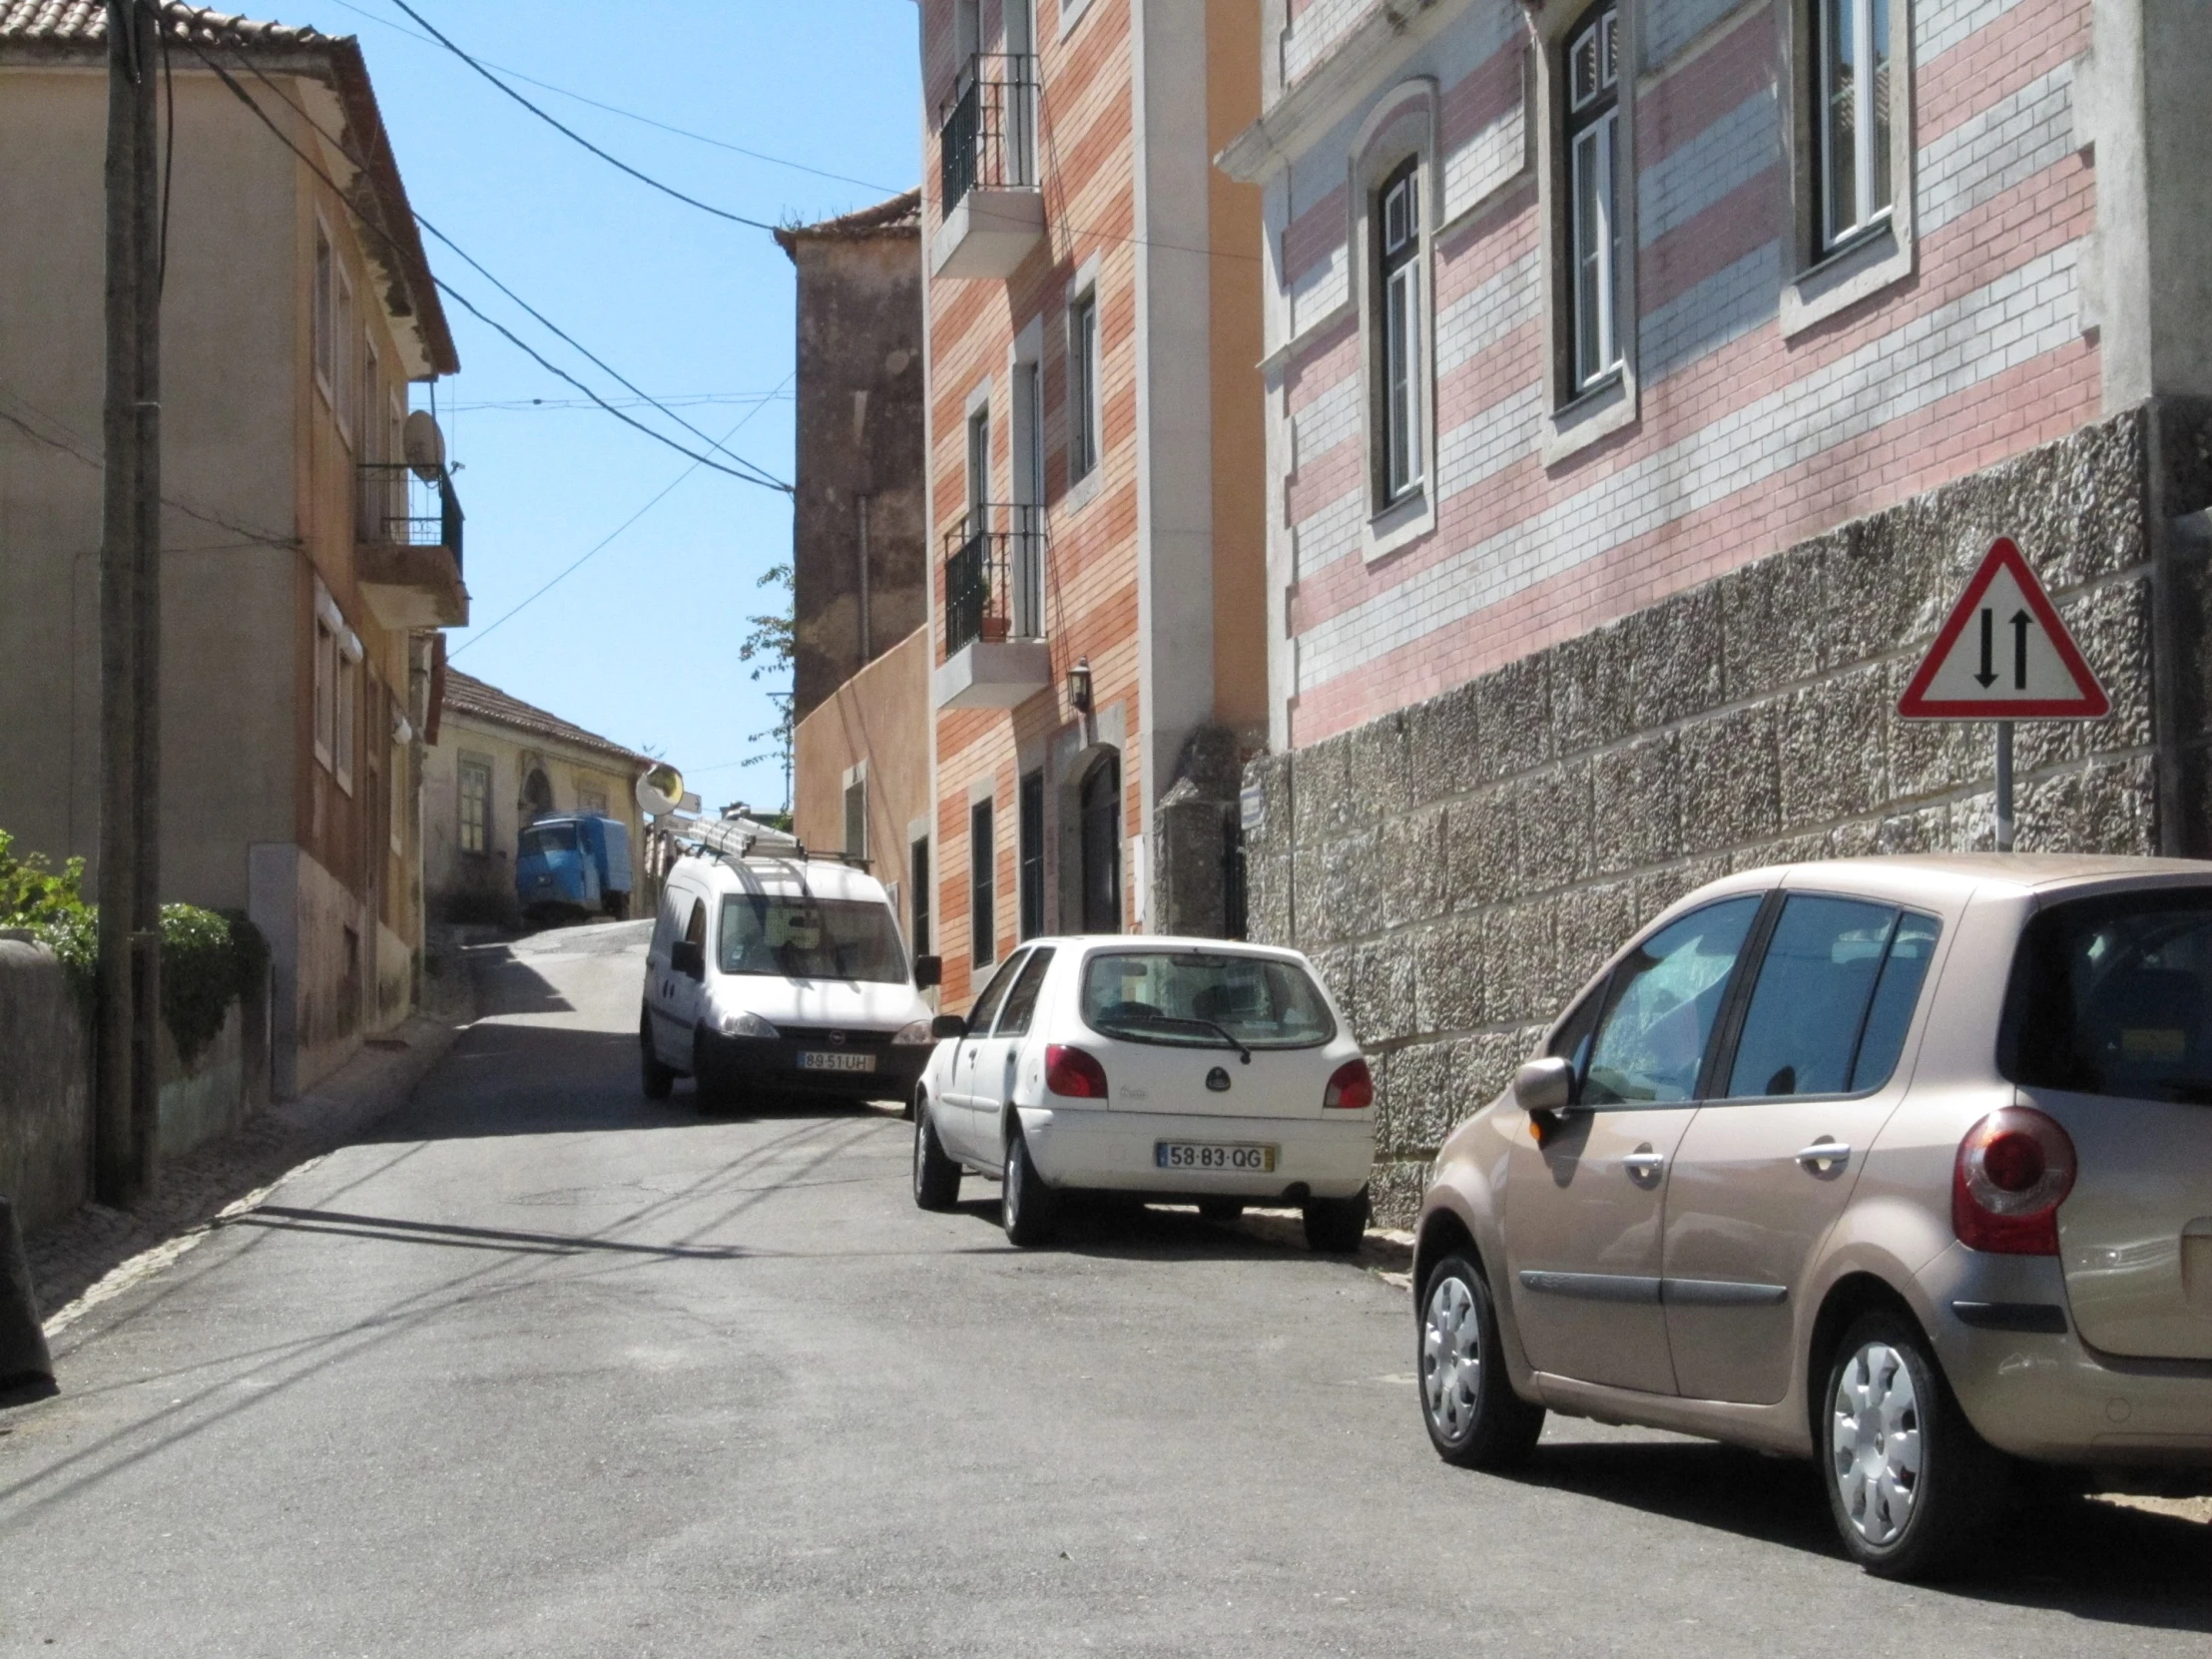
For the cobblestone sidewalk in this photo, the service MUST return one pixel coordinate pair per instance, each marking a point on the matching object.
(99, 1251)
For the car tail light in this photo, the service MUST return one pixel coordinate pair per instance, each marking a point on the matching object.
(2014, 1168)
(1351, 1087)
(1073, 1073)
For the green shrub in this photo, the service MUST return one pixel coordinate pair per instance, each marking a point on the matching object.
(209, 960)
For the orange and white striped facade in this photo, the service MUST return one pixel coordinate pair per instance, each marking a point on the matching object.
(1097, 504)
(1768, 389)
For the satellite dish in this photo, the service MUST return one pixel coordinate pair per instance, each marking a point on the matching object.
(660, 789)
(424, 445)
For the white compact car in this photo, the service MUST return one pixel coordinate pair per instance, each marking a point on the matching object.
(1172, 1070)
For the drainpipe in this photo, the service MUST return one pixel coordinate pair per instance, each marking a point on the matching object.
(867, 651)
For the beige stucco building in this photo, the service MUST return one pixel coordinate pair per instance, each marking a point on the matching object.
(303, 570)
(495, 765)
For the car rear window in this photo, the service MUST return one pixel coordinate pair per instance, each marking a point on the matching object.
(1199, 999)
(2108, 997)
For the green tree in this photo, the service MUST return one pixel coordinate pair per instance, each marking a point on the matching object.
(769, 649)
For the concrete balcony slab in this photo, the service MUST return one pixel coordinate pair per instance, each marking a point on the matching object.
(992, 674)
(411, 586)
(989, 232)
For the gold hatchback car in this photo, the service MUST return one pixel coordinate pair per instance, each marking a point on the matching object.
(1901, 1163)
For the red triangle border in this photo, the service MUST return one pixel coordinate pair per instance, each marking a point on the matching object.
(2004, 554)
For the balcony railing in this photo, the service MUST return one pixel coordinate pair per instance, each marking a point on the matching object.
(994, 576)
(987, 129)
(398, 507)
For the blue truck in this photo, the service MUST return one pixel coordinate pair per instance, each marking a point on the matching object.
(566, 865)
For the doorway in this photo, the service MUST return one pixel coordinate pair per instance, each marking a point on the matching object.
(1101, 816)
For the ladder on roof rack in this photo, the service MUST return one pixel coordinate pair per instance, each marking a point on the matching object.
(744, 838)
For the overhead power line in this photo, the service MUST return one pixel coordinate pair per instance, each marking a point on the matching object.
(629, 115)
(571, 132)
(601, 545)
(753, 474)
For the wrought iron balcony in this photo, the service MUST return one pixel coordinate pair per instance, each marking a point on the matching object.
(409, 545)
(994, 588)
(993, 210)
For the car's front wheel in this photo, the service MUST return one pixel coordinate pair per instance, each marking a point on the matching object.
(936, 1175)
(1474, 1418)
(659, 1080)
(710, 1086)
(1028, 1208)
(1913, 1490)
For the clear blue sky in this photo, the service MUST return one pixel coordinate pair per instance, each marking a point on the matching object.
(641, 643)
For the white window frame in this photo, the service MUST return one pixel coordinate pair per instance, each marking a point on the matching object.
(1827, 272)
(480, 766)
(1086, 451)
(1591, 396)
(1025, 433)
(1872, 192)
(323, 319)
(1400, 452)
(343, 392)
(1397, 139)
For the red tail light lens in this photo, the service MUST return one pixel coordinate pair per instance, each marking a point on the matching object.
(1351, 1087)
(1073, 1073)
(2014, 1168)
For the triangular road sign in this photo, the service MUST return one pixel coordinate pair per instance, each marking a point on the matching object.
(2003, 654)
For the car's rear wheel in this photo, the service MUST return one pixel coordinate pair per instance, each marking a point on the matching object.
(1913, 1490)
(1473, 1417)
(1028, 1209)
(936, 1176)
(1336, 1226)
(659, 1080)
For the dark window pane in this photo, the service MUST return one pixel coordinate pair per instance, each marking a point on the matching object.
(982, 852)
(979, 1017)
(2108, 997)
(1810, 997)
(1198, 999)
(1661, 1005)
(1895, 996)
(1021, 1003)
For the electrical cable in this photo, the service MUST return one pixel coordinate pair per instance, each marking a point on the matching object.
(762, 475)
(629, 115)
(570, 133)
(755, 476)
(168, 147)
(491, 627)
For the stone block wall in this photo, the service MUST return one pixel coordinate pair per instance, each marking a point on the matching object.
(1457, 868)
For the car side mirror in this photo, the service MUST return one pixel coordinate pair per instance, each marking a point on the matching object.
(688, 958)
(1544, 1085)
(947, 1025)
(928, 972)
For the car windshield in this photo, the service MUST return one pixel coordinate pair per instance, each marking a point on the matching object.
(1197, 999)
(2108, 998)
(799, 937)
(541, 839)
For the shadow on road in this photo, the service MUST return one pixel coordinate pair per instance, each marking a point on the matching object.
(2090, 1559)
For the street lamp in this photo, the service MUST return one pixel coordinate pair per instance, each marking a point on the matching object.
(1079, 686)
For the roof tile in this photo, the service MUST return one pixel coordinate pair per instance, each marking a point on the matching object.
(467, 696)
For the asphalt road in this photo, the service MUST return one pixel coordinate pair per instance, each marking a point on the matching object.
(543, 1370)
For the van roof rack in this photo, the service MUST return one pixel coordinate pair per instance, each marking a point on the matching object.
(744, 838)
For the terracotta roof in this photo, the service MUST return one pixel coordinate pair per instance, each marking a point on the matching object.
(66, 22)
(470, 697)
(901, 216)
(74, 30)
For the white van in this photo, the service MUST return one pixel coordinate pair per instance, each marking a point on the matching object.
(776, 972)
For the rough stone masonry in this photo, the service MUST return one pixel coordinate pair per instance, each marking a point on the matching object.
(1459, 868)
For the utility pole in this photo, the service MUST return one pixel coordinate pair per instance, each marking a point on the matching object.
(129, 1055)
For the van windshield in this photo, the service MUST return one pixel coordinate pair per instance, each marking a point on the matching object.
(1197, 999)
(2108, 998)
(541, 839)
(797, 937)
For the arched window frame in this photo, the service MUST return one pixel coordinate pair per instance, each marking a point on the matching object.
(1395, 151)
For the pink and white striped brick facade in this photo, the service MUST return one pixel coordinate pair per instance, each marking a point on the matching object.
(1745, 440)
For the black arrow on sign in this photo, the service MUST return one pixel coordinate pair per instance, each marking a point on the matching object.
(1988, 676)
(2020, 622)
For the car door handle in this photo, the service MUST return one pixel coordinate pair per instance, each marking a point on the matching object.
(1643, 1163)
(1824, 1152)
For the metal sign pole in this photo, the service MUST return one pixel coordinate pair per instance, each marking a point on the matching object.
(2005, 786)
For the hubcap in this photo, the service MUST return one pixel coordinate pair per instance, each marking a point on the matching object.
(1013, 1182)
(921, 1145)
(1451, 1357)
(1873, 1443)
